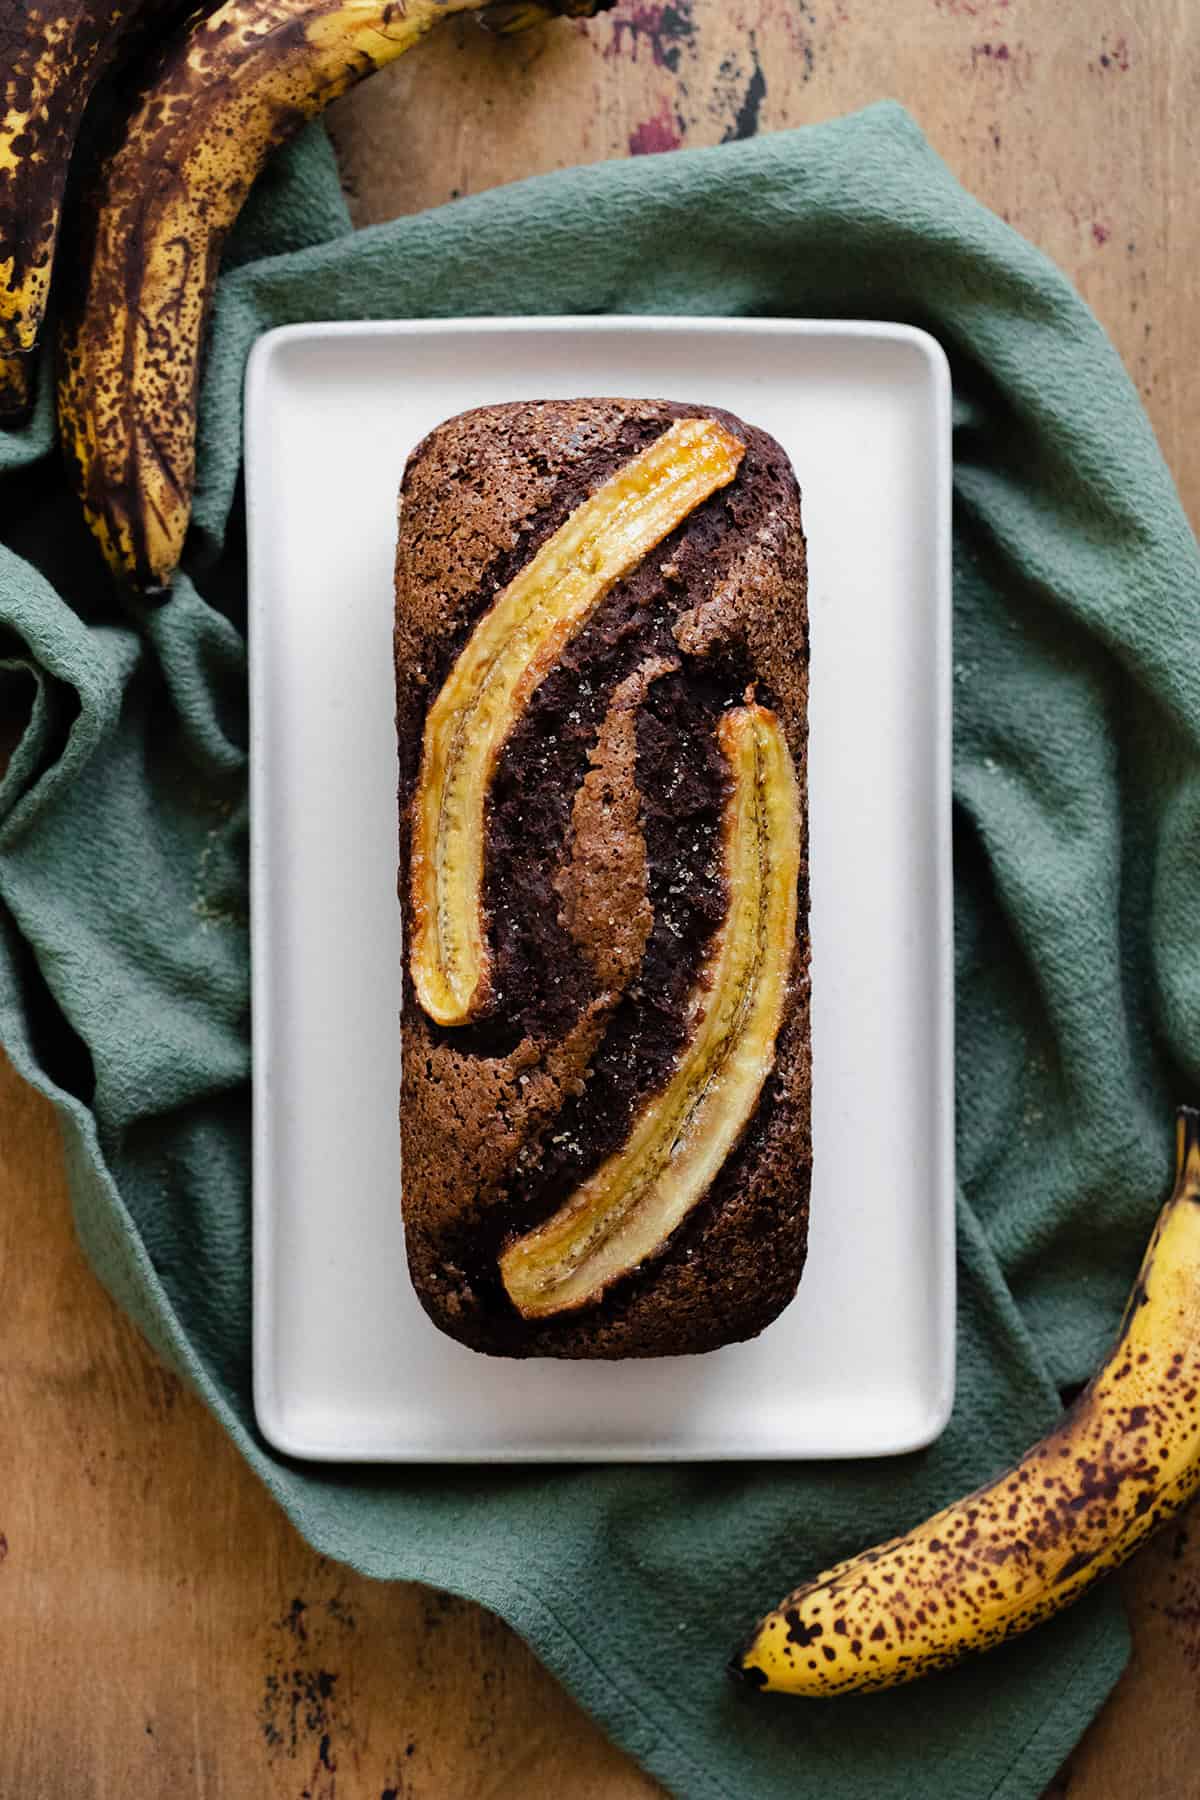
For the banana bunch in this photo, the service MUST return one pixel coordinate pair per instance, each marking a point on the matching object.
(1122, 1461)
(222, 93)
(53, 54)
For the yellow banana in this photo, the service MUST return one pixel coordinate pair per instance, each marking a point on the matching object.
(1124, 1459)
(228, 93)
(51, 56)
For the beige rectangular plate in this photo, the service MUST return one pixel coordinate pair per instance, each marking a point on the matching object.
(347, 1367)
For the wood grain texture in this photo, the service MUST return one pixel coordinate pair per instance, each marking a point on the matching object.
(162, 1629)
(1076, 121)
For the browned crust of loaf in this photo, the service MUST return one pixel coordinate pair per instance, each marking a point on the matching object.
(472, 492)
(602, 885)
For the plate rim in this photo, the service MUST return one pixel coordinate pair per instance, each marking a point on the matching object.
(263, 355)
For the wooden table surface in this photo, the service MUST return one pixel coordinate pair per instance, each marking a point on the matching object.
(162, 1629)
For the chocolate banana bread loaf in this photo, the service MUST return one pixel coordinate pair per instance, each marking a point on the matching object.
(601, 676)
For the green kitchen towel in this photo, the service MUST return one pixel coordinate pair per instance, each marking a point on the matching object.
(123, 968)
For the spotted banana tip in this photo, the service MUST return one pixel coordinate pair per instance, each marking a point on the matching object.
(746, 1675)
(16, 389)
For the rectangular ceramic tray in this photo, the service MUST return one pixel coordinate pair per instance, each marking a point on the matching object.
(347, 1367)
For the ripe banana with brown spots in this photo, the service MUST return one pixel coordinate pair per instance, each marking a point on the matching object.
(1123, 1460)
(51, 57)
(226, 94)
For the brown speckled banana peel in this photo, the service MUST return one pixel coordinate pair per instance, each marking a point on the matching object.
(1124, 1459)
(16, 388)
(233, 88)
(51, 56)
